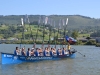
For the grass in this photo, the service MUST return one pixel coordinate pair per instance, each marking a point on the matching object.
(1, 35)
(84, 35)
(34, 29)
(3, 27)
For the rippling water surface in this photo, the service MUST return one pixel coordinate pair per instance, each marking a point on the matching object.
(89, 65)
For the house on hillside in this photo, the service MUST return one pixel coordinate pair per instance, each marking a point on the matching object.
(60, 39)
(84, 39)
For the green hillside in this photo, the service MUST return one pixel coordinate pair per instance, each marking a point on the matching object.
(75, 21)
(12, 31)
(10, 26)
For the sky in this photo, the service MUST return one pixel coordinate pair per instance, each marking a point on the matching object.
(89, 8)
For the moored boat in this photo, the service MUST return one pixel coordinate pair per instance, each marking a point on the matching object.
(8, 58)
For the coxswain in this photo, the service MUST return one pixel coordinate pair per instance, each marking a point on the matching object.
(69, 47)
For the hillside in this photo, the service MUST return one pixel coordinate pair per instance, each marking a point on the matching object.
(75, 21)
(30, 32)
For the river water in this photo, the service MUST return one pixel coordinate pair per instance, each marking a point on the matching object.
(88, 65)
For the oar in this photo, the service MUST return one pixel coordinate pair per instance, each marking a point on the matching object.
(49, 36)
(54, 38)
(54, 34)
(59, 32)
(43, 36)
(60, 38)
(32, 35)
(20, 43)
(80, 53)
(57, 35)
(38, 28)
(36, 37)
(65, 30)
(50, 32)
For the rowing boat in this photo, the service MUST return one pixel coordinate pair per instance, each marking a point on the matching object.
(8, 58)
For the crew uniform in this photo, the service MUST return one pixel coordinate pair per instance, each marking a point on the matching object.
(69, 47)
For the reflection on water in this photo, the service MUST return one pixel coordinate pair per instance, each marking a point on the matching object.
(57, 67)
(89, 65)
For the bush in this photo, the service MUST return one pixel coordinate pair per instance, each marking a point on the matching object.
(90, 42)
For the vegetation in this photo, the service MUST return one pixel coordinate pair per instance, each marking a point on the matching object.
(75, 21)
(11, 31)
(75, 34)
(78, 26)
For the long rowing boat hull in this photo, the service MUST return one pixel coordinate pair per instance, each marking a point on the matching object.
(8, 58)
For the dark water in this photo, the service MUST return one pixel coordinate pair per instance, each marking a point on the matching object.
(89, 65)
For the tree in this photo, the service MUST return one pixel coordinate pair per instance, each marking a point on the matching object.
(75, 34)
(88, 38)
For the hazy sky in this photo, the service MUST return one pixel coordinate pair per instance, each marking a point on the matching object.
(90, 8)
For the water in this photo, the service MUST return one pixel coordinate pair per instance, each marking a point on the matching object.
(89, 65)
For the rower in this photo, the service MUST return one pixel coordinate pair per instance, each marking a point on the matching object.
(51, 52)
(47, 52)
(36, 52)
(44, 52)
(28, 52)
(16, 52)
(32, 52)
(54, 51)
(63, 51)
(40, 52)
(58, 51)
(23, 52)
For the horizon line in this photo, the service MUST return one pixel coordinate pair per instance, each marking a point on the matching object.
(51, 15)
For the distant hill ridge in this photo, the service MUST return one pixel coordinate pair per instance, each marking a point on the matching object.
(75, 21)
